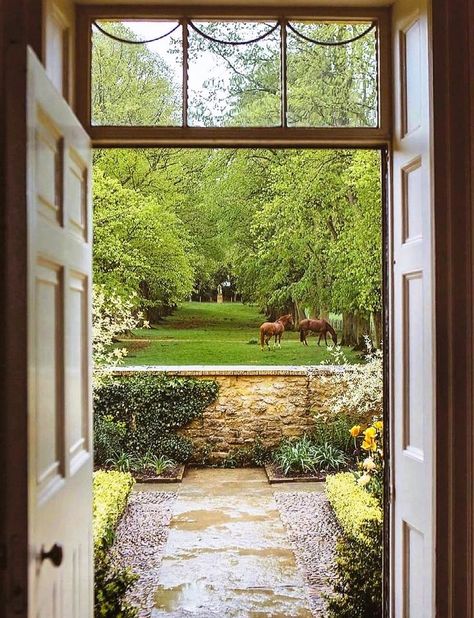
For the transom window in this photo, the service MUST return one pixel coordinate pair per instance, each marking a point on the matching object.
(172, 76)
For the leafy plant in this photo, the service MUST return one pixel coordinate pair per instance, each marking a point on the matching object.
(175, 447)
(123, 462)
(361, 392)
(110, 587)
(295, 456)
(334, 430)
(152, 409)
(328, 457)
(109, 437)
(158, 463)
(253, 455)
(110, 494)
(357, 583)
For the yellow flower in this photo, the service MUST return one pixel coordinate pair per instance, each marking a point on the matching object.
(355, 431)
(369, 444)
(369, 464)
(364, 479)
(378, 424)
(370, 432)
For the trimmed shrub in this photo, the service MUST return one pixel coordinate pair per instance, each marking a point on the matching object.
(358, 577)
(110, 494)
(110, 491)
(152, 409)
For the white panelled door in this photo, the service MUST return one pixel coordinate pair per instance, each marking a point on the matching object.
(59, 355)
(412, 353)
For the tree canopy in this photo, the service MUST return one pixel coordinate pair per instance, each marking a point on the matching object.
(295, 230)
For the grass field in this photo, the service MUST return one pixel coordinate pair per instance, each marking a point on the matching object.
(212, 334)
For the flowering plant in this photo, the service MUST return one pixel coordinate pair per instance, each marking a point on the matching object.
(112, 315)
(359, 388)
(370, 443)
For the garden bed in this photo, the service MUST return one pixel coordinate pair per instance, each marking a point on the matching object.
(170, 475)
(276, 475)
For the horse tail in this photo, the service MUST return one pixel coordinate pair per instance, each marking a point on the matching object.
(301, 334)
(262, 337)
(332, 331)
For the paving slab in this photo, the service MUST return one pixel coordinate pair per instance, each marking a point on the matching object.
(228, 552)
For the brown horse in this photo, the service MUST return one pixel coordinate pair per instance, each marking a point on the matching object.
(274, 329)
(318, 326)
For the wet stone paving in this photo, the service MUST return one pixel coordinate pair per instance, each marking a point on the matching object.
(230, 547)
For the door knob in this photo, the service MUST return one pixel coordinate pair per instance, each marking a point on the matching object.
(55, 554)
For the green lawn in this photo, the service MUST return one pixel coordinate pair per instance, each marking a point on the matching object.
(212, 334)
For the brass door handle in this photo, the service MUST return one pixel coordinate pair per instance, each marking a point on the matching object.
(55, 554)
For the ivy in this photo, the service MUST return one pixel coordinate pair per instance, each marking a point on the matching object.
(148, 411)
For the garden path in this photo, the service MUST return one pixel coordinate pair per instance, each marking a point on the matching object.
(228, 553)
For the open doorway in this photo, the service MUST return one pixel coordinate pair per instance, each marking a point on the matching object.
(411, 174)
(208, 254)
(273, 232)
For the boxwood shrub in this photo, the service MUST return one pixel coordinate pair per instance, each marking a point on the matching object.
(143, 413)
(359, 551)
(110, 494)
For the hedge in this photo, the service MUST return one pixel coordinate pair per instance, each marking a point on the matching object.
(352, 504)
(357, 582)
(110, 494)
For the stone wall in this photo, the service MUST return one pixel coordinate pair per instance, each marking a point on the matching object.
(268, 403)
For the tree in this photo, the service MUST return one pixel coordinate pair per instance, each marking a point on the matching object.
(140, 246)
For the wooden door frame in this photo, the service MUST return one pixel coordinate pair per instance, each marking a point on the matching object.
(453, 119)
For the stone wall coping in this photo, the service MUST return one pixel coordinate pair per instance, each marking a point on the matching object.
(229, 370)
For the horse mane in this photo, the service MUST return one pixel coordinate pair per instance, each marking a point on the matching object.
(330, 329)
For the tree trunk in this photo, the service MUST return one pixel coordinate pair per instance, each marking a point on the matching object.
(348, 329)
(298, 313)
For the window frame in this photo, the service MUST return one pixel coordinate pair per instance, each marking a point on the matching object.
(192, 137)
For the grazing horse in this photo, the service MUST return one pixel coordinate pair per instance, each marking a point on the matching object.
(274, 329)
(318, 326)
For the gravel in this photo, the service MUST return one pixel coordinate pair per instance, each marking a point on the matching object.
(139, 543)
(313, 531)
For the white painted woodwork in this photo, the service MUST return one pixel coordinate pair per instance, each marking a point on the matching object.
(59, 352)
(412, 352)
(59, 15)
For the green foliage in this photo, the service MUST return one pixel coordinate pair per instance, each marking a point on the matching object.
(110, 494)
(130, 83)
(109, 436)
(254, 454)
(110, 587)
(328, 457)
(175, 447)
(295, 456)
(352, 504)
(290, 229)
(153, 408)
(358, 579)
(334, 430)
(158, 463)
(139, 245)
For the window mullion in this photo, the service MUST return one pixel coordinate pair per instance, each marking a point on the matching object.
(284, 72)
(185, 71)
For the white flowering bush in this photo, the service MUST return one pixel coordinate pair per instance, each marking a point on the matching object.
(359, 389)
(112, 315)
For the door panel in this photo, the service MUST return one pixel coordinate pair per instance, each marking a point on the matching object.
(59, 354)
(412, 319)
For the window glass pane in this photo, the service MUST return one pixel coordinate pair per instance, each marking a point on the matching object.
(234, 85)
(332, 86)
(137, 84)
